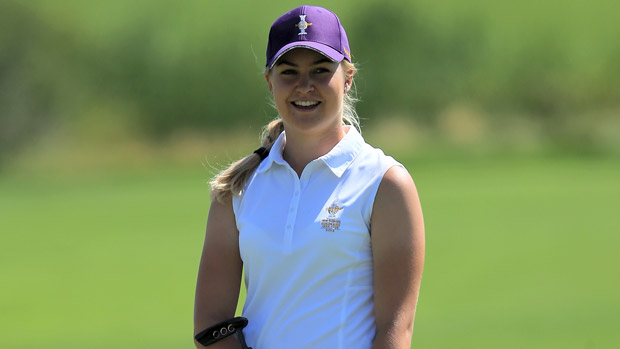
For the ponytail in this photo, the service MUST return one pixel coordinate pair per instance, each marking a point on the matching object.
(231, 181)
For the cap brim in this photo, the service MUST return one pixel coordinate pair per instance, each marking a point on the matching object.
(323, 49)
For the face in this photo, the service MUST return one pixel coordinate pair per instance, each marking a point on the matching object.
(308, 89)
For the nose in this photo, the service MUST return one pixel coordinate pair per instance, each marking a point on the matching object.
(304, 84)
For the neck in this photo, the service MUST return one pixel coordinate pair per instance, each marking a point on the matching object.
(301, 149)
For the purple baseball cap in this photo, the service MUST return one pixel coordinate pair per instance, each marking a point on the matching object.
(310, 27)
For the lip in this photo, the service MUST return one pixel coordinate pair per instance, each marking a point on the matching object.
(306, 108)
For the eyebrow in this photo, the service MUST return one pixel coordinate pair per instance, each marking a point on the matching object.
(320, 61)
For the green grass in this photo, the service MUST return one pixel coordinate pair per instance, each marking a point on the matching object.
(521, 253)
(103, 262)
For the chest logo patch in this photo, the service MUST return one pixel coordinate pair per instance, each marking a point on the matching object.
(331, 223)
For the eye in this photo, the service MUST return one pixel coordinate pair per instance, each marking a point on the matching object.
(321, 70)
(288, 72)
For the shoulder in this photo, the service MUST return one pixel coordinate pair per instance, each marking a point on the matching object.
(222, 205)
(396, 181)
(397, 196)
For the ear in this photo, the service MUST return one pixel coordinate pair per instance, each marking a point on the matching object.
(267, 77)
(349, 77)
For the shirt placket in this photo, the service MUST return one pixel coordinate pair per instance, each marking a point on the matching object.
(292, 215)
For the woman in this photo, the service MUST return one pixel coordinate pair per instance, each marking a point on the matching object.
(328, 229)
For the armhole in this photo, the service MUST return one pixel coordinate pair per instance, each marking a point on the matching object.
(389, 165)
(238, 201)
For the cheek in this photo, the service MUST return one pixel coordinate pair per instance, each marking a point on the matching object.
(336, 84)
(281, 87)
(280, 97)
(335, 88)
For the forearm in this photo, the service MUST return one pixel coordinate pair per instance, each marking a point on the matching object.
(226, 343)
(394, 338)
(208, 320)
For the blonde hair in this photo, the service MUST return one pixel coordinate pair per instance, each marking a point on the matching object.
(231, 181)
(349, 115)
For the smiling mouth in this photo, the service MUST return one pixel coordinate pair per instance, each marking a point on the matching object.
(305, 104)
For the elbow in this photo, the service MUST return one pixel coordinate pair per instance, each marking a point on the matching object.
(395, 334)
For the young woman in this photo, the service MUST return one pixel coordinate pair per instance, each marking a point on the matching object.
(328, 229)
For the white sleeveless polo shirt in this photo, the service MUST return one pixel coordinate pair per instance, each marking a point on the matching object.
(305, 246)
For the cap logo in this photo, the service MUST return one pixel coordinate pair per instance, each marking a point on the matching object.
(347, 52)
(302, 25)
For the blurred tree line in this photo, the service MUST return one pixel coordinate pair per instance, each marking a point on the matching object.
(154, 68)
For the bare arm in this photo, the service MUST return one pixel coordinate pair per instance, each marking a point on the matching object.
(219, 275)
(397, 233)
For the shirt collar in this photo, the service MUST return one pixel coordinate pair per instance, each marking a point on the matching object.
(340, 157)
(337, 160)
(275, 154)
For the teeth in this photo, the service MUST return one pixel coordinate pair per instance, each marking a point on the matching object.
(306, 103)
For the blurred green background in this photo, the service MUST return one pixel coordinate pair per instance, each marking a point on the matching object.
(114, 115)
